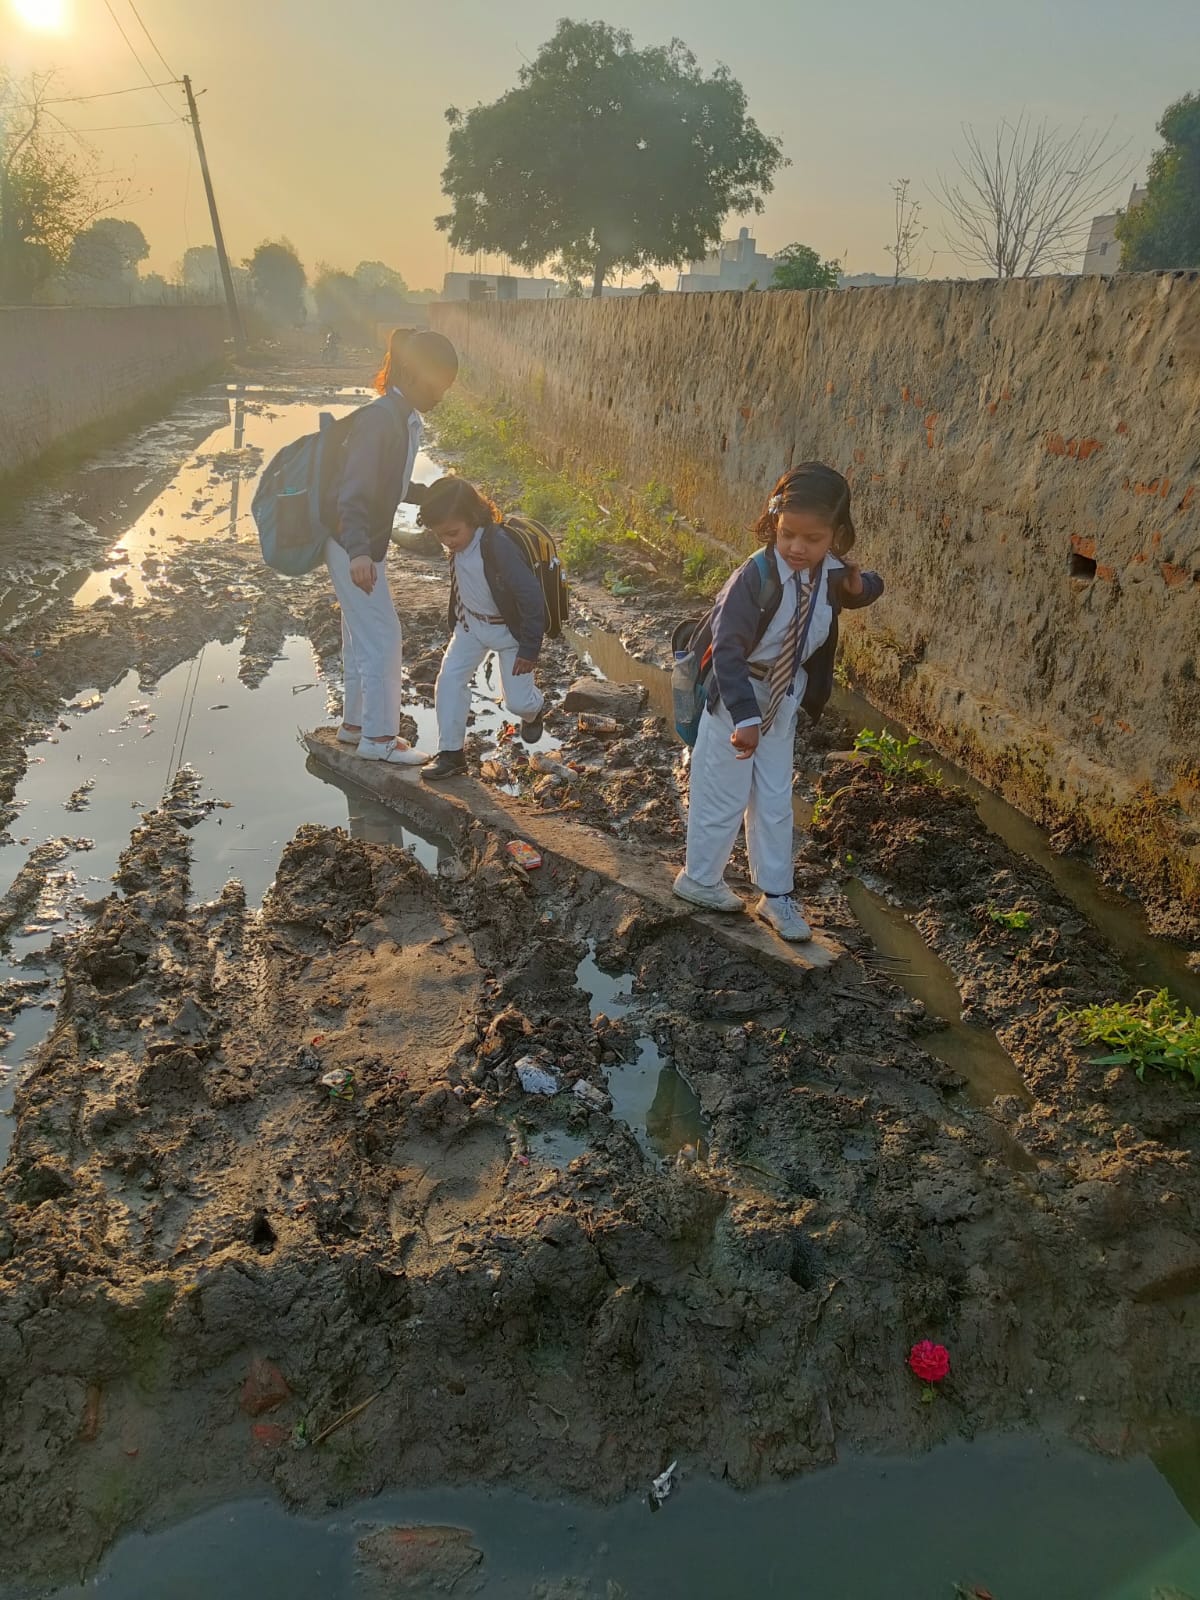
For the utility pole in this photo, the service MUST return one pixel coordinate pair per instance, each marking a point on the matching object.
(235, 315)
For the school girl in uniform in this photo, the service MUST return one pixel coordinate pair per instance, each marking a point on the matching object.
(381, 448)
(496, 604)
(773, 651)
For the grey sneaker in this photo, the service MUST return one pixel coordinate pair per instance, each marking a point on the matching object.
(780, 911)
(713, 897)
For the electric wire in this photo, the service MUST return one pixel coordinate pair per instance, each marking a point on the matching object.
(129, 43)
(153, 46)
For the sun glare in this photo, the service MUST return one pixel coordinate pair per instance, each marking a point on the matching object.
(47, 16)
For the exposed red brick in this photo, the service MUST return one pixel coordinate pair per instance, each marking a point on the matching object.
(1174, 575)
(265, 1388)
(1083, 545)
(1122, 427)
(1109, 574)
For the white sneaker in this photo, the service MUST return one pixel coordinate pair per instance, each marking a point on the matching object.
(714, 897)
(782, 913)
(397, 753)
(344, 736)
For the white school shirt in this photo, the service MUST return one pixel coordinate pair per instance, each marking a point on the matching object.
(416, 432)
(473, 588)
(819, 624)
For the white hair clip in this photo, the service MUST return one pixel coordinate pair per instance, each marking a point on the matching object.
(775, 504)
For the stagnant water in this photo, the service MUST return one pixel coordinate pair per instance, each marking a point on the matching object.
(1088, 1528)
(1019, 1519)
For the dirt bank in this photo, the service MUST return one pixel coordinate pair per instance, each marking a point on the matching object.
(215, 1274)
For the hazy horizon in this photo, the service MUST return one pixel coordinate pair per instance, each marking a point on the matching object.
(327, 125)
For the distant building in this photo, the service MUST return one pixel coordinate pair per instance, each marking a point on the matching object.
(736, 265)
(498, 286)
(1103, 254)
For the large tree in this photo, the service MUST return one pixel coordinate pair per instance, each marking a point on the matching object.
(1164, 231)
(278, 281)
(605, 158)
(103, 264)
(798, 266)
(48, 192)
(1024, 196)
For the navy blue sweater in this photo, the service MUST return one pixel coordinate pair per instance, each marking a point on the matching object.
(515, 588)
(373, 476)
(741, 616)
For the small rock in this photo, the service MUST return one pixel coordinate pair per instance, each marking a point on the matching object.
(420, 1560)
(623, 701)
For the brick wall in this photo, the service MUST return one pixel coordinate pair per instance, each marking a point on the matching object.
(63, 368)
(1025, 459)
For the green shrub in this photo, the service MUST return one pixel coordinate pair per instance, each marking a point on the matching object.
(1153, 1031)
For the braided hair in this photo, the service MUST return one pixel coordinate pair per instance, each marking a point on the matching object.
(811, 486)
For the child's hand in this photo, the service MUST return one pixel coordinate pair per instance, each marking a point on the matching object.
(521, 666)
(745, 741)
(362, 573)
(854, 583)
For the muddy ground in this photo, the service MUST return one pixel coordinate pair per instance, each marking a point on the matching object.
(209, 1262)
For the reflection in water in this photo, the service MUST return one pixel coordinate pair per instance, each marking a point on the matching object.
(973, 1051)
(650, 1095)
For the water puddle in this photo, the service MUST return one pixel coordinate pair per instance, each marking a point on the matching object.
(114, 755)
(608, 657)
(1151, 963)
(974, 1052)
(649, 1095)
(557, 1147)
(881, 1529)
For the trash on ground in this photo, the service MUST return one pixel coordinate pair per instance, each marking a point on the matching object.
(591, 1096)
(663, 1485)
(535, 1079)
(340, 1083)
(523, 854)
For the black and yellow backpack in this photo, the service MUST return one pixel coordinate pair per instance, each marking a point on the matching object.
(537, 546)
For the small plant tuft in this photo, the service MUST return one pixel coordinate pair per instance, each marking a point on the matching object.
(895, 757)
(1152, 1031)
(1014, 921)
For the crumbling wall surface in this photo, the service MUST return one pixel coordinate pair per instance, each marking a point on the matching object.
(1026, 468)
(66, 368)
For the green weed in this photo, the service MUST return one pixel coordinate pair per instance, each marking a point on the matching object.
(1153, 1031)
(894, 757)
(1015, 921)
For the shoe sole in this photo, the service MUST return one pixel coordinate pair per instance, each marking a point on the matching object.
(705, 905)
(442, 777)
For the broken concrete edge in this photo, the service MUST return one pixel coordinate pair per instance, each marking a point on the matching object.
(456, 808)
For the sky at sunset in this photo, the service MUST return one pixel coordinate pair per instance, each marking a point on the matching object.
(324, 121)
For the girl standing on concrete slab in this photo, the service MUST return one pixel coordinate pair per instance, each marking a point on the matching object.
(773, 648)
(496, 604)
(376, 475)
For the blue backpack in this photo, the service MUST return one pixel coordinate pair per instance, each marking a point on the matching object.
(692, 646)
(295, 506)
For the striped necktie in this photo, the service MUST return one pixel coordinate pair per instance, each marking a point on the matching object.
(783, 668)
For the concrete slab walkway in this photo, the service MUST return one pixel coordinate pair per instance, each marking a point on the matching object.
(454, 808)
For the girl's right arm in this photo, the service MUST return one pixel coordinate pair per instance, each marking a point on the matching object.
(735, 631)
(362, 473)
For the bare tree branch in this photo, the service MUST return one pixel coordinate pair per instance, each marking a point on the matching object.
(1021, 201)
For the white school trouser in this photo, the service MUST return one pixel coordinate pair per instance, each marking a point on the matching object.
(464, 654)
(722, 790)
(372, 648)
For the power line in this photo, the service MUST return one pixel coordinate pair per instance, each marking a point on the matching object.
(105, 94)
(145, 69)
(117, 127)
(153, 46)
